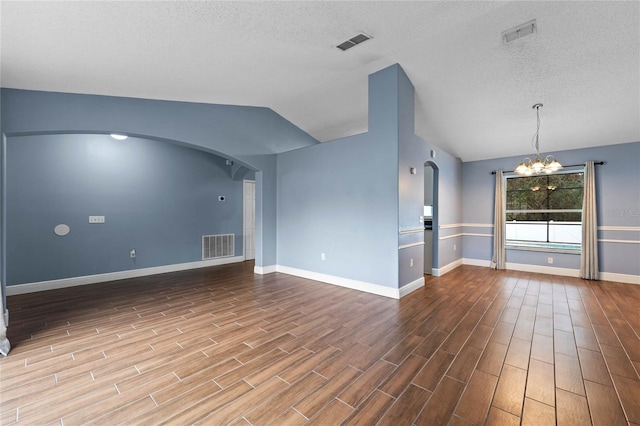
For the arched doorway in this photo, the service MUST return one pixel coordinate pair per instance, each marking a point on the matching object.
(430, 217)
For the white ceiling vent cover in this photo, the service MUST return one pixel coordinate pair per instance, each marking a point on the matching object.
(217, 246)
(520, 31)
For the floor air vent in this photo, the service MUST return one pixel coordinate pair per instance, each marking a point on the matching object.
(217, 246)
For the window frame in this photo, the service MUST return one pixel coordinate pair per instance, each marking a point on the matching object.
(539, 245)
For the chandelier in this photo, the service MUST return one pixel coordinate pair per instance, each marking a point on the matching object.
(538, 165)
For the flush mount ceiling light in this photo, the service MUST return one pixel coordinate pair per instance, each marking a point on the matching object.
(536, 166)
(353, 41)
(520, 31)
(118, 136)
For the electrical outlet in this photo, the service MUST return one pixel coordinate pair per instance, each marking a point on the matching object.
(550, 260)
(411, 262)
(322, 256)
(96, 219)
(454, 247)
(132, 253)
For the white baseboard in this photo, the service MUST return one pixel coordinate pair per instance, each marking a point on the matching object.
(620, 278)
(412, 286)
(113, 276)
(550, 270)
(438, 272)
(380, 290)
(565, 272)
(476, 262)
(262, 270)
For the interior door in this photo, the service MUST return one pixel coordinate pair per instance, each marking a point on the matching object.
(249, 218)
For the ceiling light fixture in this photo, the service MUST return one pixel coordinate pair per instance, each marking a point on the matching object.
(536, 166)
(118, 137)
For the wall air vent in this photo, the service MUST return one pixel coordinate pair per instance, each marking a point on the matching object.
(353, 41)
(520, 31)
(217, 246)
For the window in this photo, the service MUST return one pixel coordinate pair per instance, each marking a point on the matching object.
(545, 211)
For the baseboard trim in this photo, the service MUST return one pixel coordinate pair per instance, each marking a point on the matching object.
(620, 278)
(566, 272)
(438, 272)
(380, 290)
(550, 270)
(411, 287)
(345, 282)
(262, 270)
(476, 262)
(113, 276)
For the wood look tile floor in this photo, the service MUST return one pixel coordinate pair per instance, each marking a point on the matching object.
(224, 346)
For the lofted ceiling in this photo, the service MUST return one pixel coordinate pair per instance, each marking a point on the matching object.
(474, 92)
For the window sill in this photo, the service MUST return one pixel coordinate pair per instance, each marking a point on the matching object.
(548, 248)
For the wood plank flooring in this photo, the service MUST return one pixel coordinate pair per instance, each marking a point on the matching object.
(221, 346)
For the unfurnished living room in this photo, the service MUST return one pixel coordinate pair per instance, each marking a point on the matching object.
(328, 213)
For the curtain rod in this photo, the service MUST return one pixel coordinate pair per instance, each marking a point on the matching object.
(599, 163)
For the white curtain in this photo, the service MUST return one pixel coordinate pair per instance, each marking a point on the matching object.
(589, 257)
(499, 252)
(5, 347)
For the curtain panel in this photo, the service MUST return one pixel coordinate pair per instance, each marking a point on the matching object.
(499, 253)
(589, 256)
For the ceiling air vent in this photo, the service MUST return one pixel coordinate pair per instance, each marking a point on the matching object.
(353, 41)
(520, 31)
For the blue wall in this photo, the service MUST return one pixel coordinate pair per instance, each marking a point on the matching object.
(340, 198)
(348, 199)
(352, 197)
(251, 136)
(450, 240)
(411, 155)
(158, 198)
(3, 222)
(618, 199)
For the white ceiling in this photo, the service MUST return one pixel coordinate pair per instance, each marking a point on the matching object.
(473, 92)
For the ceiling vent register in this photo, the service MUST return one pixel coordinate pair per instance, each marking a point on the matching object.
(353, 41)
(520, 31)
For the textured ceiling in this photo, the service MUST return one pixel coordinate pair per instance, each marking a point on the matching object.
(473, 92)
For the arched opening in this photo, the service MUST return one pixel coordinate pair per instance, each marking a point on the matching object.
(430, 217)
